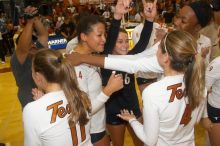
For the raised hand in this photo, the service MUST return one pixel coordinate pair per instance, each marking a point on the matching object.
(150, 10)
(121, 8)
(30, 12)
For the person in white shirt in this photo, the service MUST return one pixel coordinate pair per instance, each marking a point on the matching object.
(89, 79)
(61, 117)
(173, 105)
(91, 39)
(144, 79)
(212, 84)
(213, 105)
(137, 33)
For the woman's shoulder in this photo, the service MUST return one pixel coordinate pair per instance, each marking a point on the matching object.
(45, 100)
(162, 85)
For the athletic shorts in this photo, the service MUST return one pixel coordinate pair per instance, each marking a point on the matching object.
(113, 119)
(213, 113)
(142, 81)
(97, 136)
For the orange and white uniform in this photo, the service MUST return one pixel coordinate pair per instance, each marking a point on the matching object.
(90, 82)
(46, 122)
(167, 120)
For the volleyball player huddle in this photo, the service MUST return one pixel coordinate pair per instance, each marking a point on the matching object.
(72, 110)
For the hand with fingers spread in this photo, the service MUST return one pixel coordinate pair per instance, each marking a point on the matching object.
(126, 115)
(121, 8)
(150, 10)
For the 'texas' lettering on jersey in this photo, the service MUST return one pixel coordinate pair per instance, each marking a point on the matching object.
(179, 94)
(61, 111)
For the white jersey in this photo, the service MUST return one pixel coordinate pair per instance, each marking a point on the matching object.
(136, 34)
(166, 120)
(90, 82)
(204, 42)
(136, 37)
(71, 45)
(213, 82)
(145, 61)
(46, 123)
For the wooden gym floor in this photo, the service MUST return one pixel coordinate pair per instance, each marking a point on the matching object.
(11, 130)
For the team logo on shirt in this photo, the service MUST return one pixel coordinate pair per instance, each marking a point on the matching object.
(178, 93)
(61, 111)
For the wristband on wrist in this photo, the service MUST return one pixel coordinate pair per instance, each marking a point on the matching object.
(132, 120)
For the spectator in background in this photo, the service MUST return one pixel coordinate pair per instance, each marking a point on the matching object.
(9, 37)
(67, 29)
(59, 22)
(106, 14)
(2, 54)
(168, 15)
(21, 60)
(2, 31)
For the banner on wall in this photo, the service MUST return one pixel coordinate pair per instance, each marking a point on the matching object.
(57, 42)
